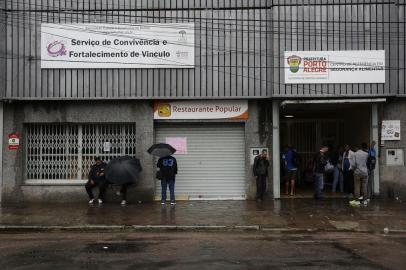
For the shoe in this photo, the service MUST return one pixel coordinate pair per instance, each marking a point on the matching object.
(123, 202)
(100, 201)
(365, 202)
(361, 198)
(355, 203)
(163, 203)
(91, 201)
(173, 203)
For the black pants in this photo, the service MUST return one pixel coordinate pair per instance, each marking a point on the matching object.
(123, 190)
(348, 177)
(102, 189)
(261, 186)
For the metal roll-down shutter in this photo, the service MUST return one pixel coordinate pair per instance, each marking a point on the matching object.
(214, 166)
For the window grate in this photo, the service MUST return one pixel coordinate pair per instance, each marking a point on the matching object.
(66, 152)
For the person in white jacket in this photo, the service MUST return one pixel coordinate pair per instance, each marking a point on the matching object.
(347, 167)
(361, 173)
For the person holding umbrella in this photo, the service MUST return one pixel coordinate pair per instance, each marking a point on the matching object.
(97, 178)
(123, 171)
(168, 168)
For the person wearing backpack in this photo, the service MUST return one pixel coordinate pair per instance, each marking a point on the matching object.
(168, 168)
(260, 170)
(371, 164)
(361, 174)
(290, 160)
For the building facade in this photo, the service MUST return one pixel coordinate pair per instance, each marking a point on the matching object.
(64, 116)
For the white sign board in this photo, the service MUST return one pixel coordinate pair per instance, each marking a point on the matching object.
(390, 130)
(117, 45)
(305, 67)
(202, 109)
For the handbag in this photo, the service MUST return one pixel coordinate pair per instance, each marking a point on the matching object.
(158, 175)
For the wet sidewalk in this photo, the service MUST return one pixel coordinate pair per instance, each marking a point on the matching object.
(285, 214)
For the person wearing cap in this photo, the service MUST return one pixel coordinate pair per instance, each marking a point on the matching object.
(97, 178)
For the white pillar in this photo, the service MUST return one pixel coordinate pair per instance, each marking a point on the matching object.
(1, 150)
(375, 137)
(276, 151)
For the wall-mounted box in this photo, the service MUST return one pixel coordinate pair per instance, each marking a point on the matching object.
(395, 157)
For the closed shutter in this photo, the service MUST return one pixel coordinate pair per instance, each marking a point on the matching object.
(214, 166)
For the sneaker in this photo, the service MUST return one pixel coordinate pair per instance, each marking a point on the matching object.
(163, 203)
(354, 203)
(123, 202)
(100, 201)
(173, 203)
(361, 198)
(365, 202)
(91, 201)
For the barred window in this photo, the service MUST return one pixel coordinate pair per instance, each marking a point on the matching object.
(66, 152)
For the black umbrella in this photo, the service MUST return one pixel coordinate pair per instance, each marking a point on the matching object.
(123, 170)
(161, 150)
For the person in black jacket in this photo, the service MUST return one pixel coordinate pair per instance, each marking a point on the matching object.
(260, 170)
(320, 162)
(97, 178)
(168, 168)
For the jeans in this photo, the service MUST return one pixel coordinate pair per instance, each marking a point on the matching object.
(261, 186)
(338, 179)
(318, 185)
(164, 185)
(370, 183)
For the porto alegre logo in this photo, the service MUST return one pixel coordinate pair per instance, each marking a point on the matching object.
(56, 48)
(294, 63)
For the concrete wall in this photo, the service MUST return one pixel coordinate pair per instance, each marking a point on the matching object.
(17, 114)
(393, 178)
(257, 134)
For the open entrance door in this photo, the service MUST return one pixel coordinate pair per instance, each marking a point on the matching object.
(306, 127)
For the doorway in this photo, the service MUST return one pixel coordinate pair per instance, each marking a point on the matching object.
(305, 127)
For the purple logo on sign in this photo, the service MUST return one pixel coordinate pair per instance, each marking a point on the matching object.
(56, 48)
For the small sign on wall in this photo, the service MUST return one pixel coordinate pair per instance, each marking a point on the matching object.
(13, 141)
(179, 143)
(390, 130)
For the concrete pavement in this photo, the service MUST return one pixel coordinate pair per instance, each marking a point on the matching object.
(281, 215)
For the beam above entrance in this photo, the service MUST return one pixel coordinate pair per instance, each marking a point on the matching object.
(331, 101)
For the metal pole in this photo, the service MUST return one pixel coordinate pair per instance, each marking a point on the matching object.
(375, 137)
(276, 150)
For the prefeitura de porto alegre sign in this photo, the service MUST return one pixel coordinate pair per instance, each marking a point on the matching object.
(201, 109)
(306, 67)
(157, 45)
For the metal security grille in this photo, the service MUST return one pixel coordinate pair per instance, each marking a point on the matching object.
(66, 152)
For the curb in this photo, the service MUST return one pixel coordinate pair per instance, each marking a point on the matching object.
(186, 228)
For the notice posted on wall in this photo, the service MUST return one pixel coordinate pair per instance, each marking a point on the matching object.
(390, 130)
(179, 143)
(158, 45)
(324, 67)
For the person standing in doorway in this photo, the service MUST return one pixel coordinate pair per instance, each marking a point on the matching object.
(337, 161)
(97, 178)
(348, 174)
(168, 168)
(260, 169)
(290, 159)
(320, 162)
(361, 174)
(371, 164)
